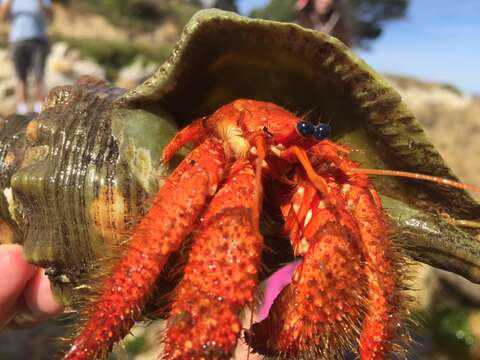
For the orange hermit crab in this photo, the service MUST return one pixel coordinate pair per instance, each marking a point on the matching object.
(90, 164)
(333, 217)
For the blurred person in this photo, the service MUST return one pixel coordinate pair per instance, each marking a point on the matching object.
(327, 16)
(25, 294)
(29, 46)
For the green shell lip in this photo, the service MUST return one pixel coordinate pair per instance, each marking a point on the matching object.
(222, 56)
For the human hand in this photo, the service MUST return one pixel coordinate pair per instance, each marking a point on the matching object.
(25, 294)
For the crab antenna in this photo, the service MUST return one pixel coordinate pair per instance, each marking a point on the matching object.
(412, 175)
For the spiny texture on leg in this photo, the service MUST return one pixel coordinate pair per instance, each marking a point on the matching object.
(157, 235)
(382, 266)
(381, 323)
(319, 312)
(220, 275)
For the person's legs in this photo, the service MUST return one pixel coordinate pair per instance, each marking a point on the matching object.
(21, 61)
(22, 96)
(39, 59)
(39, 95)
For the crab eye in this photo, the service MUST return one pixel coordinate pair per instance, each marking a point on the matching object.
(321, 131)
(305, 129)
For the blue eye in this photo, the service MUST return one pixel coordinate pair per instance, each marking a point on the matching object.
(305, 129)
(321, 131)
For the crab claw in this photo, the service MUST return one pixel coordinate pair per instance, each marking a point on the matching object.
(161, 232)
(348, 284)
(221, 274)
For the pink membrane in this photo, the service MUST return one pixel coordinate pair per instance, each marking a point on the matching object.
(274, 285)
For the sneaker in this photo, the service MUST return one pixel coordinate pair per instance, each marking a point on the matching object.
(37, 107)
(22, 108)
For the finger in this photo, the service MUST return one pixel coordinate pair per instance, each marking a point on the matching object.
(39, 298)
(15, 273)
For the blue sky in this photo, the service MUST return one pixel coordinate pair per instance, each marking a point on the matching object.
(439, 40)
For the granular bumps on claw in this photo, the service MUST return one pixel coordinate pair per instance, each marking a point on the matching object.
(317, 314)
(220, 277)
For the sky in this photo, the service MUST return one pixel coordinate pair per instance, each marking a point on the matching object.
(439, 40)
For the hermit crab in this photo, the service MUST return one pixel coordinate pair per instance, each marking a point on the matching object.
(87, 189)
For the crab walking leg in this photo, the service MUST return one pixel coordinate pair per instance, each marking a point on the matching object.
(317, 315)
(193, 133)
(221, 274)
(170, 219)
(381, 323)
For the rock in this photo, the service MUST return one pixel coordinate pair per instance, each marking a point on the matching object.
(451, 120)
(133, 74)
(65, 65)
(166, 33)
(7, 83)
(420, 94)
(465, 289)
(84, 25)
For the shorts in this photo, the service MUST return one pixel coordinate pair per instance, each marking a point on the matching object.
(29, 56)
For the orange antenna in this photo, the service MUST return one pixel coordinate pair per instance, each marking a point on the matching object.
(412, 175)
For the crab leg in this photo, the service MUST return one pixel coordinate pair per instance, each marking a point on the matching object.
(382, 268)
(170, 219)
(193, 133)
(221, 274)
(381, 323)
(318, 313)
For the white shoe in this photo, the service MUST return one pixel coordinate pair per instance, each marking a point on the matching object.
(22, 108)
(37, 107)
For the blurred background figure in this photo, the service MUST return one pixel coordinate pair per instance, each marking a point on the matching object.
(357, 23)
(29, 46)
(327, 16)
(229, 5)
